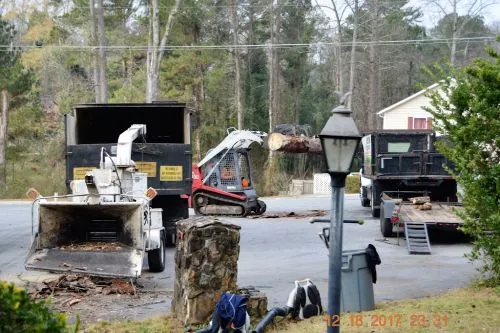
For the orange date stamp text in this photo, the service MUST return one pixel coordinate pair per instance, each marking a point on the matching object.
(390, 320)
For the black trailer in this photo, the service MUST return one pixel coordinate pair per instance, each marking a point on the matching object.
(164, 153)
(404, 161)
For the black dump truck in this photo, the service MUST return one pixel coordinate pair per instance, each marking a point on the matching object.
(403, 163)
(164, 153)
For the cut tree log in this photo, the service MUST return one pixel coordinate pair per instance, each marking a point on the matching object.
(425, 206)
(419, 200)
(294, 144)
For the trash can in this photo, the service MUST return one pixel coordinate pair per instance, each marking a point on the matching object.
(357, 284)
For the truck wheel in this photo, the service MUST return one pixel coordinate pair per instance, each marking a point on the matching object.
(375, 211)
(385, 223)
(365, 202)
(156, 258)
(170, 239)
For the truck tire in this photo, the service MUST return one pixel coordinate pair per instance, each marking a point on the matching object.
(365, 202)
(375, 211)
(156, 258)
(385, 223)
(171, 238)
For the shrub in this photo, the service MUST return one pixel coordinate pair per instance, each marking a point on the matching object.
(352, 184)
(466, 109)
(19, 314)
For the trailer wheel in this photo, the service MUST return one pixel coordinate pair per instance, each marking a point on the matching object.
(385, 223)
(365, 202)
(156, 258)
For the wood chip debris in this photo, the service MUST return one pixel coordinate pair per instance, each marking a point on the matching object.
(92, 246)
(308, 213)
(71, 284)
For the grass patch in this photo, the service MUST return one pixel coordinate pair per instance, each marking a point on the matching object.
(159, 324)
(460, 311)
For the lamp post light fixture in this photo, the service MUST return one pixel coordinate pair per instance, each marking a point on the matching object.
(339, 139)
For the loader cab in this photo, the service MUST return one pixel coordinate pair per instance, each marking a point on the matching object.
(232, 173)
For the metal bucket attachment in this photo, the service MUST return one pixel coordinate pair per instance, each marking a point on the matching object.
(101, 239)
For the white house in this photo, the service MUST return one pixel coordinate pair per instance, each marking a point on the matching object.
(408, 113)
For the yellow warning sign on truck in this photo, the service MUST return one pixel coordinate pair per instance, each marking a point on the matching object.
(148, 168)
(79, 173)
(171, 173)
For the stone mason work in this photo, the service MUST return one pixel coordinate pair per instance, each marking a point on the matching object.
(257, 302)
(206, 265)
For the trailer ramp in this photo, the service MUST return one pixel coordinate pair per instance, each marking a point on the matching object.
(417, 238)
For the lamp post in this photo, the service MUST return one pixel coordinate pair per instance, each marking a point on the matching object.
(339, 139)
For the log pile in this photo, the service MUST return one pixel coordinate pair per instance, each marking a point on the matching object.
(421, 203)
(298, 215)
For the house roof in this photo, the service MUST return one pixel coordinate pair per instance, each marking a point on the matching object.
(407, 99)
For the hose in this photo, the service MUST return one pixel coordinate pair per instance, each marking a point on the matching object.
(268, 318)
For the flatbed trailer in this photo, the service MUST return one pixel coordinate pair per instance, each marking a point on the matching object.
(441, 215)
(398, 214)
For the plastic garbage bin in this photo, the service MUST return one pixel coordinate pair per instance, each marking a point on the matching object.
(357, 284)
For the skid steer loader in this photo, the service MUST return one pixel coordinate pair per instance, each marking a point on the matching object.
(222, 180)
(105, 227)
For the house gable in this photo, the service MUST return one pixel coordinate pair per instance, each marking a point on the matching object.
(408, 113)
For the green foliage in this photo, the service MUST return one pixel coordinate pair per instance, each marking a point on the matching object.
(13, 77)
(352, 184)
(19, 314)
(466, 109)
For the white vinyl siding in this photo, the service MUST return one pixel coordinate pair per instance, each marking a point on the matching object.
(397, 118)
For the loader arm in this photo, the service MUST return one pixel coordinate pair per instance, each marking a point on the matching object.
(234, 140)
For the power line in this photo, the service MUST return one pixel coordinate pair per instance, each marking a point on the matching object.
(254, 46)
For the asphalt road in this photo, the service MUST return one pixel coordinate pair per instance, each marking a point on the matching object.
(274, 253)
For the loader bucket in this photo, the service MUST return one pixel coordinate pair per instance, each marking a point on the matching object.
(97, 239)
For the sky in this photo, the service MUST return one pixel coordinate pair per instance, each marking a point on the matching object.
(432, 14)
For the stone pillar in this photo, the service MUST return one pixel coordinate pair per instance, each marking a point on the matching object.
(206, 265)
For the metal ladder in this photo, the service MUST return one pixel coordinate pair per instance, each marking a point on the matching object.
(417, 238)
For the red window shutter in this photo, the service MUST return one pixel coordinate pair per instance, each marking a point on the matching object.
(410, 122)
(429, 123)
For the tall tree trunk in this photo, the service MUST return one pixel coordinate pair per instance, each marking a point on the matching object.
(339, 84)
(454, 34)
(249, 92)
(103, 83)
(152, 82)
(274, 93)
(149, 54)
(3, 135)
(352, 70)
(374, 89)
(236, 56)
(156, 48)
(94, 55)
(199, 97)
